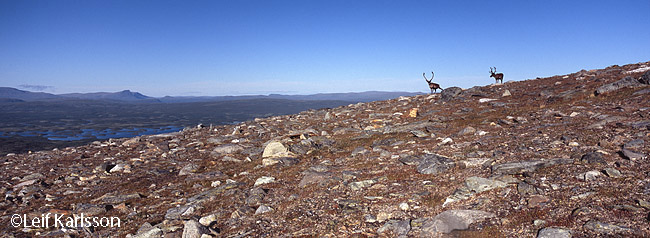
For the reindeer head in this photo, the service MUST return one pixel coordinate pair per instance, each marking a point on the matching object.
(493, 71)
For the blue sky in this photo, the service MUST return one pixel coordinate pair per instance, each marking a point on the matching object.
(196, 48)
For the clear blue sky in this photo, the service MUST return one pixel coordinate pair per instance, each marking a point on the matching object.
(233, 47)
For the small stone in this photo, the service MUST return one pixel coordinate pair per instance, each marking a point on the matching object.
(264, 180)
(551, 232)
(605, 228)
(467, 131)
(188, 169)
(370, 218)
(612, 172)
(445, 141)
(593, 158)
(537, 201)
(355, 186)
(404, 206)
(413, 112)
(227, 149)
(382, 216)
(275, 149)
(263, 209)
(506, 93)
(208, 220)
(592, 175)
(450, 220)
(631, 155)
(574, 144)
(643, 203)
(399, 228)
(193, 229)
(215, 184)
(539, 223)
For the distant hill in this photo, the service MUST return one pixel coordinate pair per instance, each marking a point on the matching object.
(126, 95)
(12, 93)
(368, 96)
(8, 94)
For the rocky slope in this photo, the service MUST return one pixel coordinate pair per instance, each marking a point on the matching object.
(551, 157)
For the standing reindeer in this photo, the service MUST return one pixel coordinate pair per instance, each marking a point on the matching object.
(432, 86)
(497, 76)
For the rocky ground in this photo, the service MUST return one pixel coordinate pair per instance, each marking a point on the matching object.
(565, 156)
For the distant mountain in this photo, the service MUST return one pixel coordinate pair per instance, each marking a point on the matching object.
(12, 93)
(368, 96)
(8, 93)
(126, 95)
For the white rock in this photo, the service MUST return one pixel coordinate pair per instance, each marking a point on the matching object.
(275, 149)
(264, 180)
(404, 206)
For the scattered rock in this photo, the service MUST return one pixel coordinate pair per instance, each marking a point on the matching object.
(605, 228)
(434, 164)
(397, 227)
(264, 180)
(551, 232)
(193, 229)
(623, 83)
(450, 220)
(450, 93)
(275, 149)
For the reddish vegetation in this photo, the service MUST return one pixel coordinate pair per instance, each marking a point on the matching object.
(543, 119)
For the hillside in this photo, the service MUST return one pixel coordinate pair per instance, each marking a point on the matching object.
(551, 157)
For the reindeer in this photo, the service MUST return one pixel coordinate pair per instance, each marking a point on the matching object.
(497, 76)
(432, 86)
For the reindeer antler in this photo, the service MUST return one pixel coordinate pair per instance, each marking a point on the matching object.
(425, 77)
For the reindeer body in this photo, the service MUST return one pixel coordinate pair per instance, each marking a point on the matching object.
(433, 86)
(495, 75)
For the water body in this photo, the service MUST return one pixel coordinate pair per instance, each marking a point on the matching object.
(73, 135)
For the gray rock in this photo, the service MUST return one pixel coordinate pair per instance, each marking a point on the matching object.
(361, 184)
(593, 158)
(89, 209)
(526, 166)
(634, 144)
(467, 131)
(473, 185)
(264, 180)
(450, 93)
(154, 232)
(525, 189)
(263, 209)
(208, 220)
(255, 197)
(605, 228)
(176, 213)
(645, 78)
(193, 229)
(623, 83)
(116, 199)
(434, 164)
(550, 232)
(479, 185)
(227, 149)
(410, 160)
(450, 220)
(631, 155)
(34, 176)
(397, 227)
(188, 169)
(420, 134)
(612, 172)
(314, 177)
